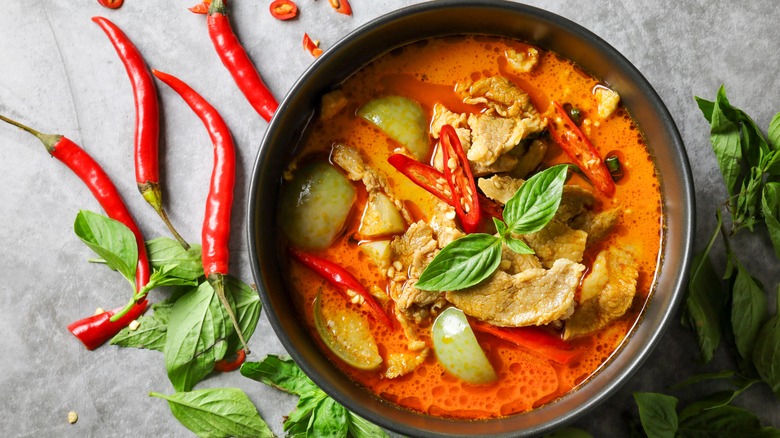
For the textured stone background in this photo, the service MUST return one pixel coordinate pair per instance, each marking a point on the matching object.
(59, 73)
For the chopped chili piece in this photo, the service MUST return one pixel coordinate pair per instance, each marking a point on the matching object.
(94, 330)
(312, 46)
(201, 8)
(226, 366)
(342, 280)
(111, 4)
(580, 150)
(341, 6)
(283, 9)
(457, 172)
(535, 339)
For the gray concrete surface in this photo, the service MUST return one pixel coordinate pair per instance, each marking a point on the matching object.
(58, 72)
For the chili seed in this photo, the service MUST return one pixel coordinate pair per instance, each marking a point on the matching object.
(99, 310)
(134, 324)
(73, 417)
(452, 163)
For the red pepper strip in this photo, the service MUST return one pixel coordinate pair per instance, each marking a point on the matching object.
(215, 233)
(341, 6)
(311, 46)
(201, 8)
(534, 339)
(237, 62)
(283, 9)
(94, 330)
(457, 172)
(580, 150)
(111, 4)
(433, 181)
(147, 121)
(226, 366)
(104, 190)
(342, 280)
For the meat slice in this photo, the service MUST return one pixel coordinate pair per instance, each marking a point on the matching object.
(399, 364)
(574, 201)
(531, 297)
(607, 292)
(597, 225)
(492, 137)
(607, 100)
(502, 96)
(528, 158)
(557, 241)
(499, 188)
(522, 62)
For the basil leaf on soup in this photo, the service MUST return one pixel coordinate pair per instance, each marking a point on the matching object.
(658, 414)
(111, 240)
(463, 263)
(536, 202)
(766, 351)
(217, 412)
(168, 252)
(518, 245)
(770, 207)
(748, 311)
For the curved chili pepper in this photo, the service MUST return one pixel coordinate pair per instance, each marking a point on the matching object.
(237, 62)
(342, 280)
(341, 6)
(216, 225)
(226, 366)
(535, 339)
(147, 121)
(457, 172)
(283, 9)
(580, 150)
(96, 330)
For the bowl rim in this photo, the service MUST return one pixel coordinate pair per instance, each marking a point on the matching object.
(687, 206)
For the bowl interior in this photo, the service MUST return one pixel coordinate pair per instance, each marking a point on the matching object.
(521, 22)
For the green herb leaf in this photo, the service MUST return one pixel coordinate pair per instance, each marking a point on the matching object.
(773, 133)
(706, 107)
(463, 263)
(518, 245)
(217, 412)
(725, 139)
(748, 200)
(298, 422)
(248, 307)
(727, 374)
(165, 276)
(725, 421)
(281, 373)
(197, 337)
(111, 240)
(658, 413)
(748, 311)
(770, 208)
(715, 400)
(329, 420)
(165, 252)
(501, 228)
(766, 351)
(150, 334)
(362, 428)
(536, 202)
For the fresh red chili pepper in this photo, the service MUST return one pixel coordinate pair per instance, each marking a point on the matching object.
(580, 150)
(534, 339)
(226, 366)
(457, 172)
(341, 6)
(94, 330)
(147, 121)
(311, 46)
(103, 189)
(342, 280)
(215, 234)
(201, 8)
(111, 4)
(237, 62)
(434, 182)
(283, 9)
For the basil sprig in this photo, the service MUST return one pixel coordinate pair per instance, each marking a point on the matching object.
(472, 258)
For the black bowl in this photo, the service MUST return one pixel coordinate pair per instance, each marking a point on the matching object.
(500, 18)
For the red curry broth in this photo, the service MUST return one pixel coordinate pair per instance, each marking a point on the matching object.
(428, 71)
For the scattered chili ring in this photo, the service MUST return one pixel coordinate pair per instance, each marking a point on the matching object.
(580, 150)
(226, 366)
(342, 280)
(237, 62)
(283, 9)
(111, 4)
(311, 45)
(215, 233)
(341, 6)
(201, 8)
(457, 172)
(534, 339)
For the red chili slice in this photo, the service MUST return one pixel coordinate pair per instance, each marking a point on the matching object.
(111, 4)
(228, 365)
(580, 150)
(311, 46)
(341, 6)
(283, 9)
(342, 280)
(457, 172)
(535, 339)
(201, 8)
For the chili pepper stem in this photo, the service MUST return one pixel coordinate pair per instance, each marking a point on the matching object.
(217, 7)
(217, 281)
(48, 140)
(153, 195)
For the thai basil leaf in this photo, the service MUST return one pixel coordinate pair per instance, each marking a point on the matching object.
(773, 133)
(705, 302)
(727, 374)
(298, 422)
(149, 335)
(217, 412)
(463, 263)
(362, 428)
(247, 310)
(766, 351)
(164, 276)
(196, 338)
(658, 413)
(749, 199)
(517, 245)
(714, 401)
(536, 202)
(748, 311)
(706, 107)
(725, 421)
(111, 240)
(329, 420)
(726, 143)
(281, 373)
(754, 145)
(168, 252)
(501, 228)
(770, 207)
